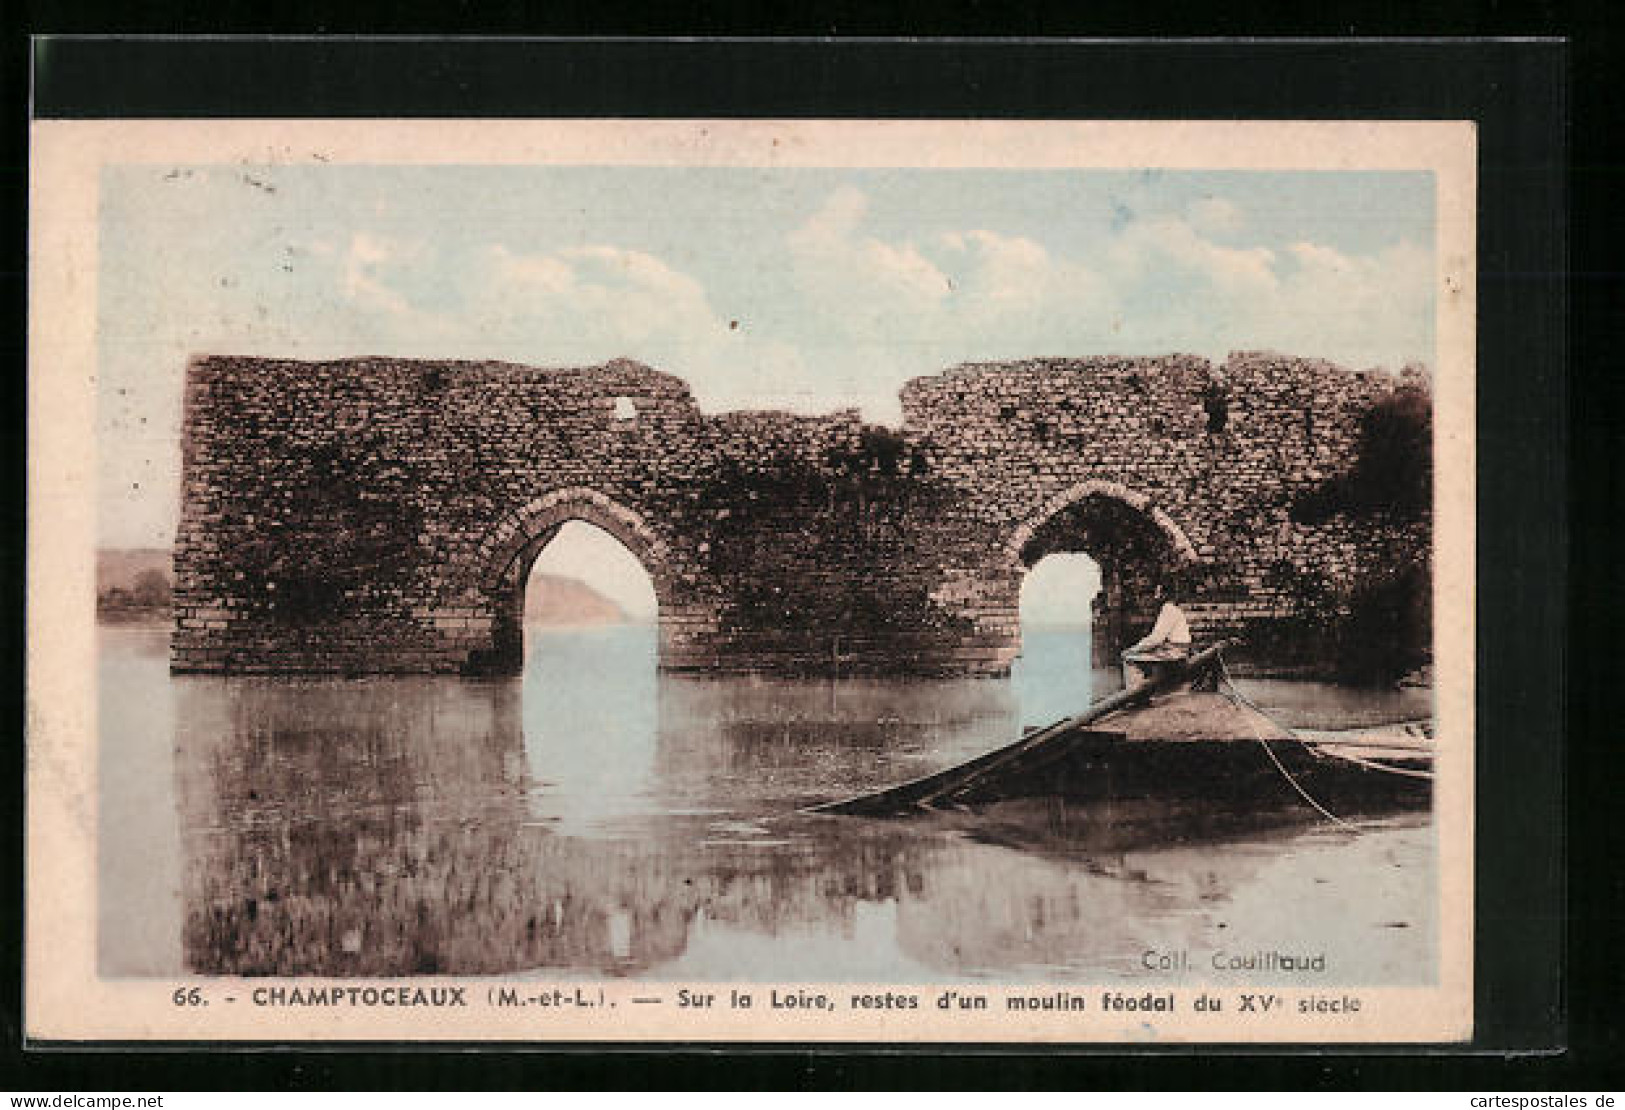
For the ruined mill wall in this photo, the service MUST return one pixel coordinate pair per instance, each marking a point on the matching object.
(1214, 457)
(379, 515)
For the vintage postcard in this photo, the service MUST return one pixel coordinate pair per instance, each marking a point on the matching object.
(751, 581)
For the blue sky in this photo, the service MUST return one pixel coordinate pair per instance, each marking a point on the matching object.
(809, 289)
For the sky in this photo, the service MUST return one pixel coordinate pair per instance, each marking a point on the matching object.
(797, 288)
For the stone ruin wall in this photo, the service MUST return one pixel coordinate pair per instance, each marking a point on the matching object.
(379, 515)
(1023, 439)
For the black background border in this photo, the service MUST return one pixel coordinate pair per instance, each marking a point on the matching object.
(1518, 92)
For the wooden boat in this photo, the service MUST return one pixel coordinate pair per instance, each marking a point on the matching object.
(1177, 742)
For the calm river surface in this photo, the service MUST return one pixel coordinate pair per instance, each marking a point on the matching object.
(597, 819)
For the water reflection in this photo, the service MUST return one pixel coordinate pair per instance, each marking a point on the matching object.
(595, 819)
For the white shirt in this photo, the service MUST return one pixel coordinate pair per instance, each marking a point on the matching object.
(1171, 628)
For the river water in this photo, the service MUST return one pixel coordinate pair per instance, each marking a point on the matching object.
(595, 818)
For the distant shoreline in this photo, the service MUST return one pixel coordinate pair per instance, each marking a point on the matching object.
(125, 618)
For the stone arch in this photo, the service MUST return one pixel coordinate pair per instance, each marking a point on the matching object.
(1179, 543)
(518, 538)
(546, 514)
(1132, 540)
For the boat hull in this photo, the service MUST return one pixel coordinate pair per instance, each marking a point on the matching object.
(1177, 742)
(1240, 775)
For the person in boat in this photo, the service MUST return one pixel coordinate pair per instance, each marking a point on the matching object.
(1170, 636)
(1169, 640)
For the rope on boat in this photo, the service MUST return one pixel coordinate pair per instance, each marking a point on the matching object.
(1238, 699)
(1409, 772)
(1314, 747)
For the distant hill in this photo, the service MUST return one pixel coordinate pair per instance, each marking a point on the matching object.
(119, 567)
(133, 584)
(552, 599)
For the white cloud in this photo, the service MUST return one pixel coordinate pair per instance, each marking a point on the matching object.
(1184, 291)
(366, 263)
(1358, 309)
(587, 304)
(885, 309)
(835, 221)
(896, 308)
(997, 271)
(542, 274)
(1149, 248)
(861, 284)
(590, 303)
